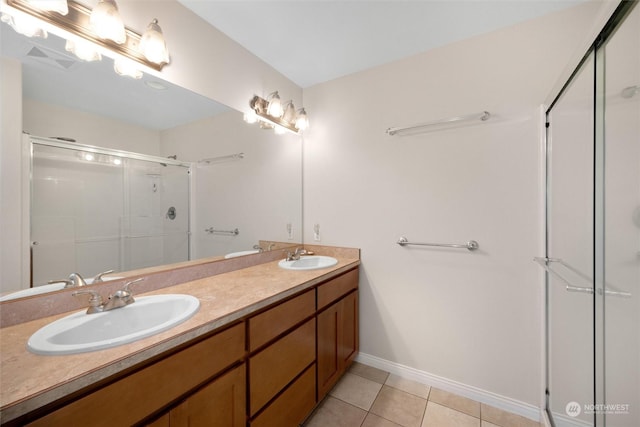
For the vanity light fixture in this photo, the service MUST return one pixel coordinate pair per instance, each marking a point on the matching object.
(100, 28)
(287, 120)
(106, 22)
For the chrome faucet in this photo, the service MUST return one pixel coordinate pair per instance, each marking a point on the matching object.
(295, 255)
(258, 247)
(119, 298)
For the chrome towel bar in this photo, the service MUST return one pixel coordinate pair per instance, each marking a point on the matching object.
(472, 245)
(424, 127)
(212, 230)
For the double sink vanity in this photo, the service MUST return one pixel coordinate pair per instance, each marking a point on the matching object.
(251, 341)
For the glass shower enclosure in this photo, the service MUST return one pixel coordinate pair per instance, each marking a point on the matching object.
(95, 209)
(593, 234)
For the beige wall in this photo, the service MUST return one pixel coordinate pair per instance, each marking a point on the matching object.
(11, 194)
(48, 120)
(471, 318)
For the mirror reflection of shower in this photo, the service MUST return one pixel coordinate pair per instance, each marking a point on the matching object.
(96, 209)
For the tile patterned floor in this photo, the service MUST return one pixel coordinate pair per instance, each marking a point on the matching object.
(369, 397)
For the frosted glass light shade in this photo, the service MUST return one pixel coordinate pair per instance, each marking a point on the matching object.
(106, 22)
(24, 25)
(127, 68)
(59, 6)
(83, 49)
(152, 44)
(275, 106)
(302, 121)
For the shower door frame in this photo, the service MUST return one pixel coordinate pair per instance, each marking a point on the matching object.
(31, 140)
(618, 15)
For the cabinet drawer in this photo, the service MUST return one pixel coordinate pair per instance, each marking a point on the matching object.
(334, 289)
(268, 325)
(158, 384)
(273, 368)
(292, 406)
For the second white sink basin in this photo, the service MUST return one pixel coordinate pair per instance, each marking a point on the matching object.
(308, 262)
(81, 332)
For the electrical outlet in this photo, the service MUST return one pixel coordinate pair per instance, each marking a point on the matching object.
(290, 231)
(316, 232)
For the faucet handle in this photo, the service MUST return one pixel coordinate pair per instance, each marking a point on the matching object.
(67, 283)
(127, 285)
(98, 277)
(95, 302)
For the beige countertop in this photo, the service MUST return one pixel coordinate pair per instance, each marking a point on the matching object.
(29, 381)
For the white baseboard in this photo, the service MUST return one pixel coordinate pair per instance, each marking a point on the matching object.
(492, 399)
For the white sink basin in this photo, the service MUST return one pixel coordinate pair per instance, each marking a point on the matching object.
(308, 262)
(81, 332)
(241, 253)
(37, 290)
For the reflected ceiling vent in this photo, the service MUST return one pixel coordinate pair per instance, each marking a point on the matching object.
(51, 58)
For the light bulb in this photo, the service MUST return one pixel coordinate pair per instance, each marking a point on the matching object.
(275, 106)
(24, 25)
(83, 49)
(302, 121)
(59, 6)
(124, 67)
(106, 22)
(152, 44)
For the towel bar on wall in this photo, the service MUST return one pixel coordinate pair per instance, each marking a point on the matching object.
(472, 245)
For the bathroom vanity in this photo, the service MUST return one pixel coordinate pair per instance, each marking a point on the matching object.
(265, 347)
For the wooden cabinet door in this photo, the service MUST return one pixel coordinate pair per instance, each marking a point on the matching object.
(328, 344)
(337, 341)
(349, 330)
(220, 403)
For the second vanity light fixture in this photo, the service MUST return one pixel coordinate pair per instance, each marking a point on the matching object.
(273, 115)
(90, 32)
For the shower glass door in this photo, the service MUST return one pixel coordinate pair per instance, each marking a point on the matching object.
(94, 210)
(620, 212)
(593, 235)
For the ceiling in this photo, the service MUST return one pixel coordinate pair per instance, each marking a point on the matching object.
(313, 41)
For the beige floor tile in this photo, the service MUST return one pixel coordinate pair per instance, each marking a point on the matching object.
(413, 387)
(336, 413)
(369, 372)
(399, 406)
(454, 401)
(437, 415)
(487, 424)
(504, 418)
(356, 390)
(373, 420)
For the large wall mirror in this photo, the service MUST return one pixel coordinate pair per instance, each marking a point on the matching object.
(241, 177)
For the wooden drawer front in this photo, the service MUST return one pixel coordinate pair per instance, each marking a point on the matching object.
(274, 367)
(220, 403)
(268, 325)
(334, 289)
(140, 394)
(292, 406)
